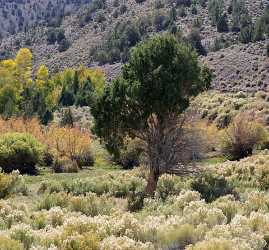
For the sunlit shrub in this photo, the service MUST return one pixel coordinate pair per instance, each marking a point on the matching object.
(91, 204)
(9, 244)
(24, 234)
(19, 151)
(8, 183)
(67, 141)
(213, 244)
(211, 186)
(65, 165)
(122, 243)
(85, 241)
(167, 185)
(53, 200)
(241, 137)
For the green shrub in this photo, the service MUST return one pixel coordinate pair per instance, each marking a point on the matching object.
(222, 24)
(23, 234)
(53, 200)
(85, 159)
(135, 201)
(91, 204)
(12, 183)
(211, 186)
(19, 151)
(64, 45)
(85, 241)
(167, 185)
(130, 155)
(9, 244)
(65, 165)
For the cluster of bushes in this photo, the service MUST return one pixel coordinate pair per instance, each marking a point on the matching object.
(118, 185)
(58, 35)
(89, 12)
(11, 183)
(25, 144)
(39, 94)
(183, 221)
(127, 34)
(241, 21)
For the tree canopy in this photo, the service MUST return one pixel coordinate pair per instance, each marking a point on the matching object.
(156, 84)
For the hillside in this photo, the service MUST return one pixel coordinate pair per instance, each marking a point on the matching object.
(87, 27)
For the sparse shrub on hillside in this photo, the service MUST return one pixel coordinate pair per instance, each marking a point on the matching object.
(241, 137)
(195, 40)
(21, 152)
(215, 10)
(55, 35)
(140, 1)
(222, 24)
(64, 45)
(246, 34)
(211, 186)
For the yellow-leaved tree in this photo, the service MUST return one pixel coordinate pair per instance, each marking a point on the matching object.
(24, 66)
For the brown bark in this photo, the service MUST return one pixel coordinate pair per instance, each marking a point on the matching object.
(152, 182)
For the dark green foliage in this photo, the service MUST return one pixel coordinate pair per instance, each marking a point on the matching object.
(135, 201)
(85, 96)
(258, 30)
(130, 154)
(67, 118)
(21, 152)
(215, 10)
(246, 34)
(64, 45)
(116, 47)
(140, 1)
(152, 82)
(75, 94)
(186, 3)
(211, 186)
(85, 159)
(34, 103)
(194, 10)
(5, 54)
(55, 35)
(195, 40)
(89, 12)
(238, 10)
(67, 97)
(222, 24)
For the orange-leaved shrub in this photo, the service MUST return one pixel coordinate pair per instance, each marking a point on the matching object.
(242, 136)
(59, 142)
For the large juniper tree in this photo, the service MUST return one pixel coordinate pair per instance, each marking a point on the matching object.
(147, 98)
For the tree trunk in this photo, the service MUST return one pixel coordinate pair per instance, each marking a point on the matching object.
(152, 182)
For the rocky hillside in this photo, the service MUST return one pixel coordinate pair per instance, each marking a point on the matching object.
(68, 33)
(22, 15)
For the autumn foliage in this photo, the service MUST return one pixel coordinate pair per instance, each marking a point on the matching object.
(61, 141)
